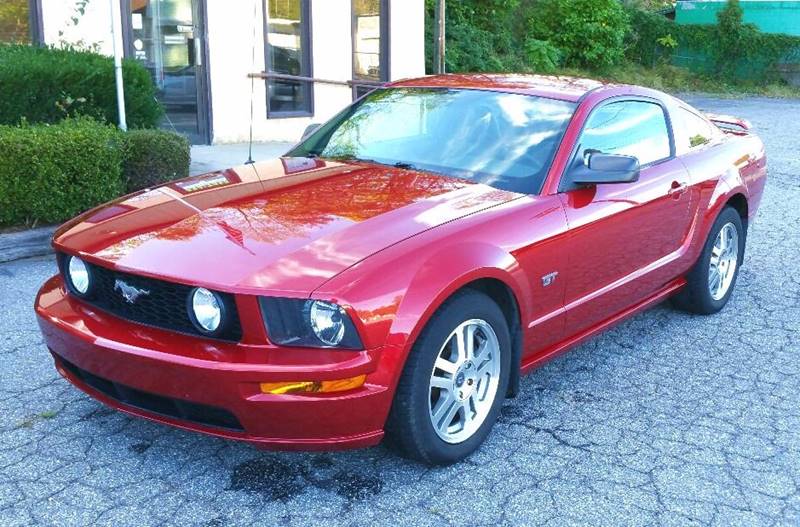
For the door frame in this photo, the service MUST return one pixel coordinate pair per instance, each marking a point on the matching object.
(204, 110)
(36, 23)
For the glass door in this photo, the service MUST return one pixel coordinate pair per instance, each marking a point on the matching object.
(167, 36)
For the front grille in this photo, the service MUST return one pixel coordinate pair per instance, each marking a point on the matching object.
(164, 306)
(158, 404)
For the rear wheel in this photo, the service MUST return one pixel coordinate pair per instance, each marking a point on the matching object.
(451, 388)
(712, 279)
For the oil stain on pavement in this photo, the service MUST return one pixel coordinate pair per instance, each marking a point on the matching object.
(283, 481)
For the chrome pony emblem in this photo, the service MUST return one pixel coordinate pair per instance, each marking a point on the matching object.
(129, 293)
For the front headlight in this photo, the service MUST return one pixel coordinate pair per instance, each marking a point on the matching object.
(327, 321)
(308, 323)
(78, 276)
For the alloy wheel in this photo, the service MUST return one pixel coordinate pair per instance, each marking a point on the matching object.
(723, 262)
(464, 381)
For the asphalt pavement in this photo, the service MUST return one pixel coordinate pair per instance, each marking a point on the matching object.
(668, 419)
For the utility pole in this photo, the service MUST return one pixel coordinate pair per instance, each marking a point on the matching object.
(116, 35)
(439, 34)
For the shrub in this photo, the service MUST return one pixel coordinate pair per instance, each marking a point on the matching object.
(153, 157)
(542, 56)
(45, 85)
(589, 33)
(642, 42)
(49, 173)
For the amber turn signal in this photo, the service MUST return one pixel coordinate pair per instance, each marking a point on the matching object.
(339, 385)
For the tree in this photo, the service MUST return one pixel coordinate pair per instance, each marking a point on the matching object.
(734, 35)
(589, 33)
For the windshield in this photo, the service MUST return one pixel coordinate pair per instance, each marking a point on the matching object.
(501, 139)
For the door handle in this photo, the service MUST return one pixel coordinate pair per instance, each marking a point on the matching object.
(677, 189)
(198, 49)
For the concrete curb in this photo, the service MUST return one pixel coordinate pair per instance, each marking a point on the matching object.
(25, 244)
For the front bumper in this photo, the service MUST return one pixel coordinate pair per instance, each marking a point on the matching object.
(210, 386)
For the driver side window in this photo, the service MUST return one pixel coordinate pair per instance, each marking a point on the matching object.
(632, 128)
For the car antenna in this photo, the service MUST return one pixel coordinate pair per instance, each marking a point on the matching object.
(252, 86)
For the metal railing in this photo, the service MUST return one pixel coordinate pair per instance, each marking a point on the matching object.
(299, 78)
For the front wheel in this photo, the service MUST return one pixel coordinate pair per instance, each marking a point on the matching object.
(453, 383)
(712, 279)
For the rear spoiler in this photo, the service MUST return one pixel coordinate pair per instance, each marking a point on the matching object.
(727, 122)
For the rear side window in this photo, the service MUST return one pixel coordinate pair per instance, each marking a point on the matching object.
(631, 128)
(698, 131)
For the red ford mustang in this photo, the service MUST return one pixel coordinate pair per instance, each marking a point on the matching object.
(399, 269)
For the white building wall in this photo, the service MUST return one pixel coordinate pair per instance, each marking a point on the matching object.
(407, 38)
(91, 31)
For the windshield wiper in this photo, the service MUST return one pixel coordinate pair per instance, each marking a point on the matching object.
(398, 164)
(353, 158)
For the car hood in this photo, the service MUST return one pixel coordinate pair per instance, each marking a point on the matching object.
(285, 225)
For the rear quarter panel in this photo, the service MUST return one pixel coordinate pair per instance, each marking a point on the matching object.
(734, 165)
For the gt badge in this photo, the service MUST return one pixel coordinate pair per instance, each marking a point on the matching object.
(549, 278)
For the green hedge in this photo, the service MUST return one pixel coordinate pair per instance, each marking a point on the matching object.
(45, 85)
(50, 173)
(733, 50)
(153, 157)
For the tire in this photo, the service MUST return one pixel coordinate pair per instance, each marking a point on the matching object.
(700, 296)
(417, 403)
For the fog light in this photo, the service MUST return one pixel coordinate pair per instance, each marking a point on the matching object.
(205, 309)
(78, 274)
(339, 385)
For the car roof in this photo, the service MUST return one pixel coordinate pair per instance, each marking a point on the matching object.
(553, 87)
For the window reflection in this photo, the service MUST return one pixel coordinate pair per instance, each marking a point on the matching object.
(633, 128)
(699, 131)
(287, 53)
(501, 139)
(15, 21)
(368, 56)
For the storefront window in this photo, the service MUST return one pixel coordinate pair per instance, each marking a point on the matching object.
(288, 53)
(370, 28)
(19, 21)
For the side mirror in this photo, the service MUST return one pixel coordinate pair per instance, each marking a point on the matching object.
(605, 168)
(310, 129)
